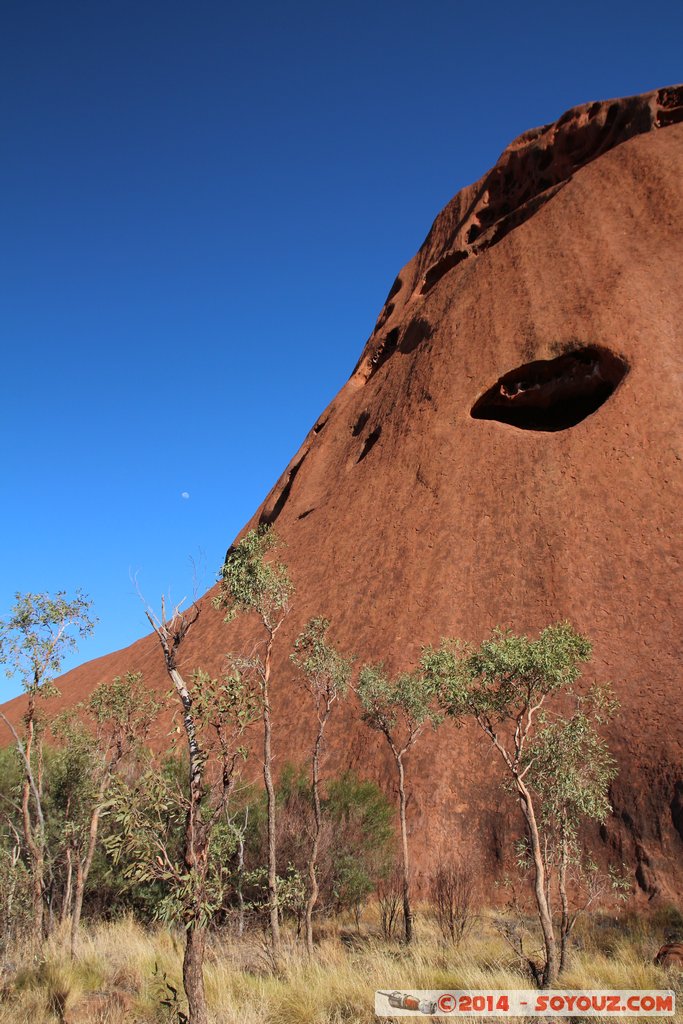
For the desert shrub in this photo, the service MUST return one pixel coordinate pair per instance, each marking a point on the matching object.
(15, 881)
(389, 899)
(15, 899)
(113, 891)
(364, 852)
(356, 843)
(453, 898)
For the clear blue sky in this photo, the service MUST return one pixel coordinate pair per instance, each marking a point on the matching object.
(203, 206)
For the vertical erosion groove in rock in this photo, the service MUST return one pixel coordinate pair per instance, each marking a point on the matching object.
(553, 394)
(269, 515)
(385, 349)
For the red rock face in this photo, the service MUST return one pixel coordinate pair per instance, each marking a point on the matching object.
(507, 451)
(671, 955)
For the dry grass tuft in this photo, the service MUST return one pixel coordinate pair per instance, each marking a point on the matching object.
(124, 972)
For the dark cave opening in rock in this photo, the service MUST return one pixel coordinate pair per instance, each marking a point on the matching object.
(370, 441)
(553, 394)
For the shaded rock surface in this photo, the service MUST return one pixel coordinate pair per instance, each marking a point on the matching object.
(507, 451)
(671, 955)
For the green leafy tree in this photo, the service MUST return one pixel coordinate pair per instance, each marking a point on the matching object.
(505, 684)
(253, 582)
(363, 854)
(69, 793)
(399, 709)
(357, 848)
(326, 674)
(34, 640)
(571, 769)
(120, 715)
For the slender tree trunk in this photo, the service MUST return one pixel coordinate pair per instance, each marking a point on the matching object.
(407, 911)
(565, 925)
(196, 845)
(313, 862)
(549, 975)
(78, 907)
(547, 867)
(7, 923)
(34, 835)
(240, 876)
(196, 860)
(67, 898)
(34, 832)
(196, 855)
(193, 973)
(270, 796)
(83, 867)
(37, 888)
(48, 874)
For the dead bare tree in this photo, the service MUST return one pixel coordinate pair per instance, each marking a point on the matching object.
(215, 714)
(171, 633)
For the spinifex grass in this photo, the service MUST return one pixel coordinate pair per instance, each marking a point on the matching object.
(127, 974)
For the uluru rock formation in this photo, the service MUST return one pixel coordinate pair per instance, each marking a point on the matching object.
(507, 451)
